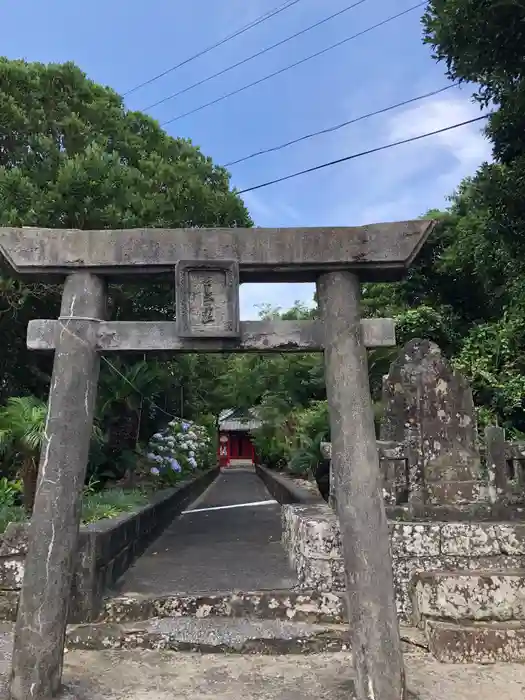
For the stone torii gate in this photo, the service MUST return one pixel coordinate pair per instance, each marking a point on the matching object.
(207, 266)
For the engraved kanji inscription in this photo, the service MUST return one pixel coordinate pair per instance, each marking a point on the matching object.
(207, 299)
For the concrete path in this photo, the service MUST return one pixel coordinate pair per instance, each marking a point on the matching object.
(220, 550)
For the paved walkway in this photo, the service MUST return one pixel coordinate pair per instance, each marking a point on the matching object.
(216, 551)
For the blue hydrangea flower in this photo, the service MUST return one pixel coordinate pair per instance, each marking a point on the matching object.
(175, 465)
(193, 462)
(154, 471)
(185, 426)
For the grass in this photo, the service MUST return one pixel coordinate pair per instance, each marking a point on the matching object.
(111, 503)
(95, 506)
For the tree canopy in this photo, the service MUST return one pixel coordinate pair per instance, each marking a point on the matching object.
(71, 155)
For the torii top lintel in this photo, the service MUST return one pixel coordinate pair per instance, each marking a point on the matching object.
(374, 252)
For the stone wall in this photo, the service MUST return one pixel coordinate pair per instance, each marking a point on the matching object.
(283, 488)
(311, 538)
(106, 550)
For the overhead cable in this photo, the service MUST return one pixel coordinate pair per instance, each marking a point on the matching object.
(361, 154)
(331, 129)
(294, 65)
(263, 18)
(255, 55)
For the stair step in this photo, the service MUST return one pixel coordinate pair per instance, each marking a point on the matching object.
(212, 635)
(469, 595)
(476, 642)
(311, 607)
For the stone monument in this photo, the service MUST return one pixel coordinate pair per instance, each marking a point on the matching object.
(206, 266)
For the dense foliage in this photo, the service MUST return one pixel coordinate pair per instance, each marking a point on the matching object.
(180, 450)
(72, 156)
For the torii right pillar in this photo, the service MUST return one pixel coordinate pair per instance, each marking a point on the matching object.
(374, 627)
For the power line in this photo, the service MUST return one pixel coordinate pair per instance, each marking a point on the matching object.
(262, 18)
(294, 65)
(255, 55)
(330, 129)
(362, 153)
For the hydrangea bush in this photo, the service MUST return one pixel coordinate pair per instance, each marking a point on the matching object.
(179, 450)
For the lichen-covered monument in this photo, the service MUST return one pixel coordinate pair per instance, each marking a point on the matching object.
(206, 266)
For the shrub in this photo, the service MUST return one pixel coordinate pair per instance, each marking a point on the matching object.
(9, 492)
(95, 505)
(179, 450)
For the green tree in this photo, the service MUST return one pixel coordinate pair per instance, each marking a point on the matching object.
(22, 423)
(72, 156)
(481, 42)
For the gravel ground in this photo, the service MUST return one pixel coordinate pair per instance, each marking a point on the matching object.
(151, 675)
(215, 631)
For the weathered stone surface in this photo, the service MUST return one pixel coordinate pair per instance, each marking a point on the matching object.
(511, 538)
(393, 467)
(455, 492)
(359, 503)
(496, 463)
(476, 595)
(8, 605)
(449, 469)
(376, 251)
(255, 336)
(11, 573)
(406, 570)
(53, 532)
(481, 643)
(320, 536)
(313, 607)
(474, 512)
(429, 408)
(212, 635)
(409, 540)
(415, 546)
(207, 298)
(13, 548)
(157, 675)
(469, 540)
(14, 540)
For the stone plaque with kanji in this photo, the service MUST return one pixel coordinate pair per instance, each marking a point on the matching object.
(208, 299)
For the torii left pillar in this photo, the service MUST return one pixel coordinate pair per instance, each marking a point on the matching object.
(43, 609)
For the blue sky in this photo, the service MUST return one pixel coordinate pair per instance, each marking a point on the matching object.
(122, 43)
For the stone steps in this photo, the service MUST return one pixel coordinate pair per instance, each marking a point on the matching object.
(476, 642)
(304, 606)
(469, 595)
(472, 616)
(212, 635)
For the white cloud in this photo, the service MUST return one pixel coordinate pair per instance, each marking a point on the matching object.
(467, 144)
(396, 184)
(256, 206)
(406, 181)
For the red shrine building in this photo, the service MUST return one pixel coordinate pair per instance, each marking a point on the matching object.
(236, 448)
